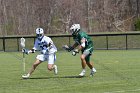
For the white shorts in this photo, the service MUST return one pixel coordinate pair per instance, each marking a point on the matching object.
(50, 58)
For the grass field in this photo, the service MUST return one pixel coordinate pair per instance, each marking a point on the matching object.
(118, 71)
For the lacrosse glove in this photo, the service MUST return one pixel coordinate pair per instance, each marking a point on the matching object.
(26, 51)
(75, 52)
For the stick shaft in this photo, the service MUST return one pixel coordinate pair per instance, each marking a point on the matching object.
(23, 62)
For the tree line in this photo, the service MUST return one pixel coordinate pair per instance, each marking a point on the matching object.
(22, 17)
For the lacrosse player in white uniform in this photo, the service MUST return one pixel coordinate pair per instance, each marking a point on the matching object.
(47, 48)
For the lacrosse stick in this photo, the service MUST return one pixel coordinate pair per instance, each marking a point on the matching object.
(22, 44)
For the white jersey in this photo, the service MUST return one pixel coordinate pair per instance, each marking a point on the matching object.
(44, 45)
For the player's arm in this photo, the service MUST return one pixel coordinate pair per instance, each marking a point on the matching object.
(82, 45)
(74, 45)
(34, 49)
(49, 45)
(70, 48)
(26, 51)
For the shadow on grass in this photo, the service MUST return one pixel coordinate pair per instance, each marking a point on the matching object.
(57, 77)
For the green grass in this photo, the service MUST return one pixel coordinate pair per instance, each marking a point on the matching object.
(117, 72)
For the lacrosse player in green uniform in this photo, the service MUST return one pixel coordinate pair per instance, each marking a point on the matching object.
(85, 45)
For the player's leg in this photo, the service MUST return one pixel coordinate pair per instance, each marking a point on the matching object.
(83, 63)
(39, 59)
(86, 58)
(90, 65)
(35, 64)
(51, 66)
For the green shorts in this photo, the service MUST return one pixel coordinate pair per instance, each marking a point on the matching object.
(88, 53)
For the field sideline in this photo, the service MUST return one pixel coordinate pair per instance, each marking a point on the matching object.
(118, 71)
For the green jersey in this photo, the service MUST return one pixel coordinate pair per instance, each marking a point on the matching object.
(80, 36)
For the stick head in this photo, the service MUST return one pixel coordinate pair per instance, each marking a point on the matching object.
(22, 42)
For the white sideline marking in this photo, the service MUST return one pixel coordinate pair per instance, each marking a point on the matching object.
(121, 91)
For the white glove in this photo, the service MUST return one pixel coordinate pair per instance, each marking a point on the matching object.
(75, 52)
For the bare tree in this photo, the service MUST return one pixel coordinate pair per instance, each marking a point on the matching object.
(22, 17)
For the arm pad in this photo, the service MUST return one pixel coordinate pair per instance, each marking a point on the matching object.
(83, 44)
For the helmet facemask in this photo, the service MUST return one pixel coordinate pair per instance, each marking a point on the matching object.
(39, 36)
(75, 32)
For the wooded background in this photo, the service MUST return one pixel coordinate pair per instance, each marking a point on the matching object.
(22, 17)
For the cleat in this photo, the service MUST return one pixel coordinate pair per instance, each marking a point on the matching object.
(92, 72)
(55, 69)
(82, 73)
(25, 76)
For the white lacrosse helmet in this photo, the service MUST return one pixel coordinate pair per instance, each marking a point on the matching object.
(75, 28)
(39, 33)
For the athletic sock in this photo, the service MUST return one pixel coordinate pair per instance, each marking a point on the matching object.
(84, 70)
